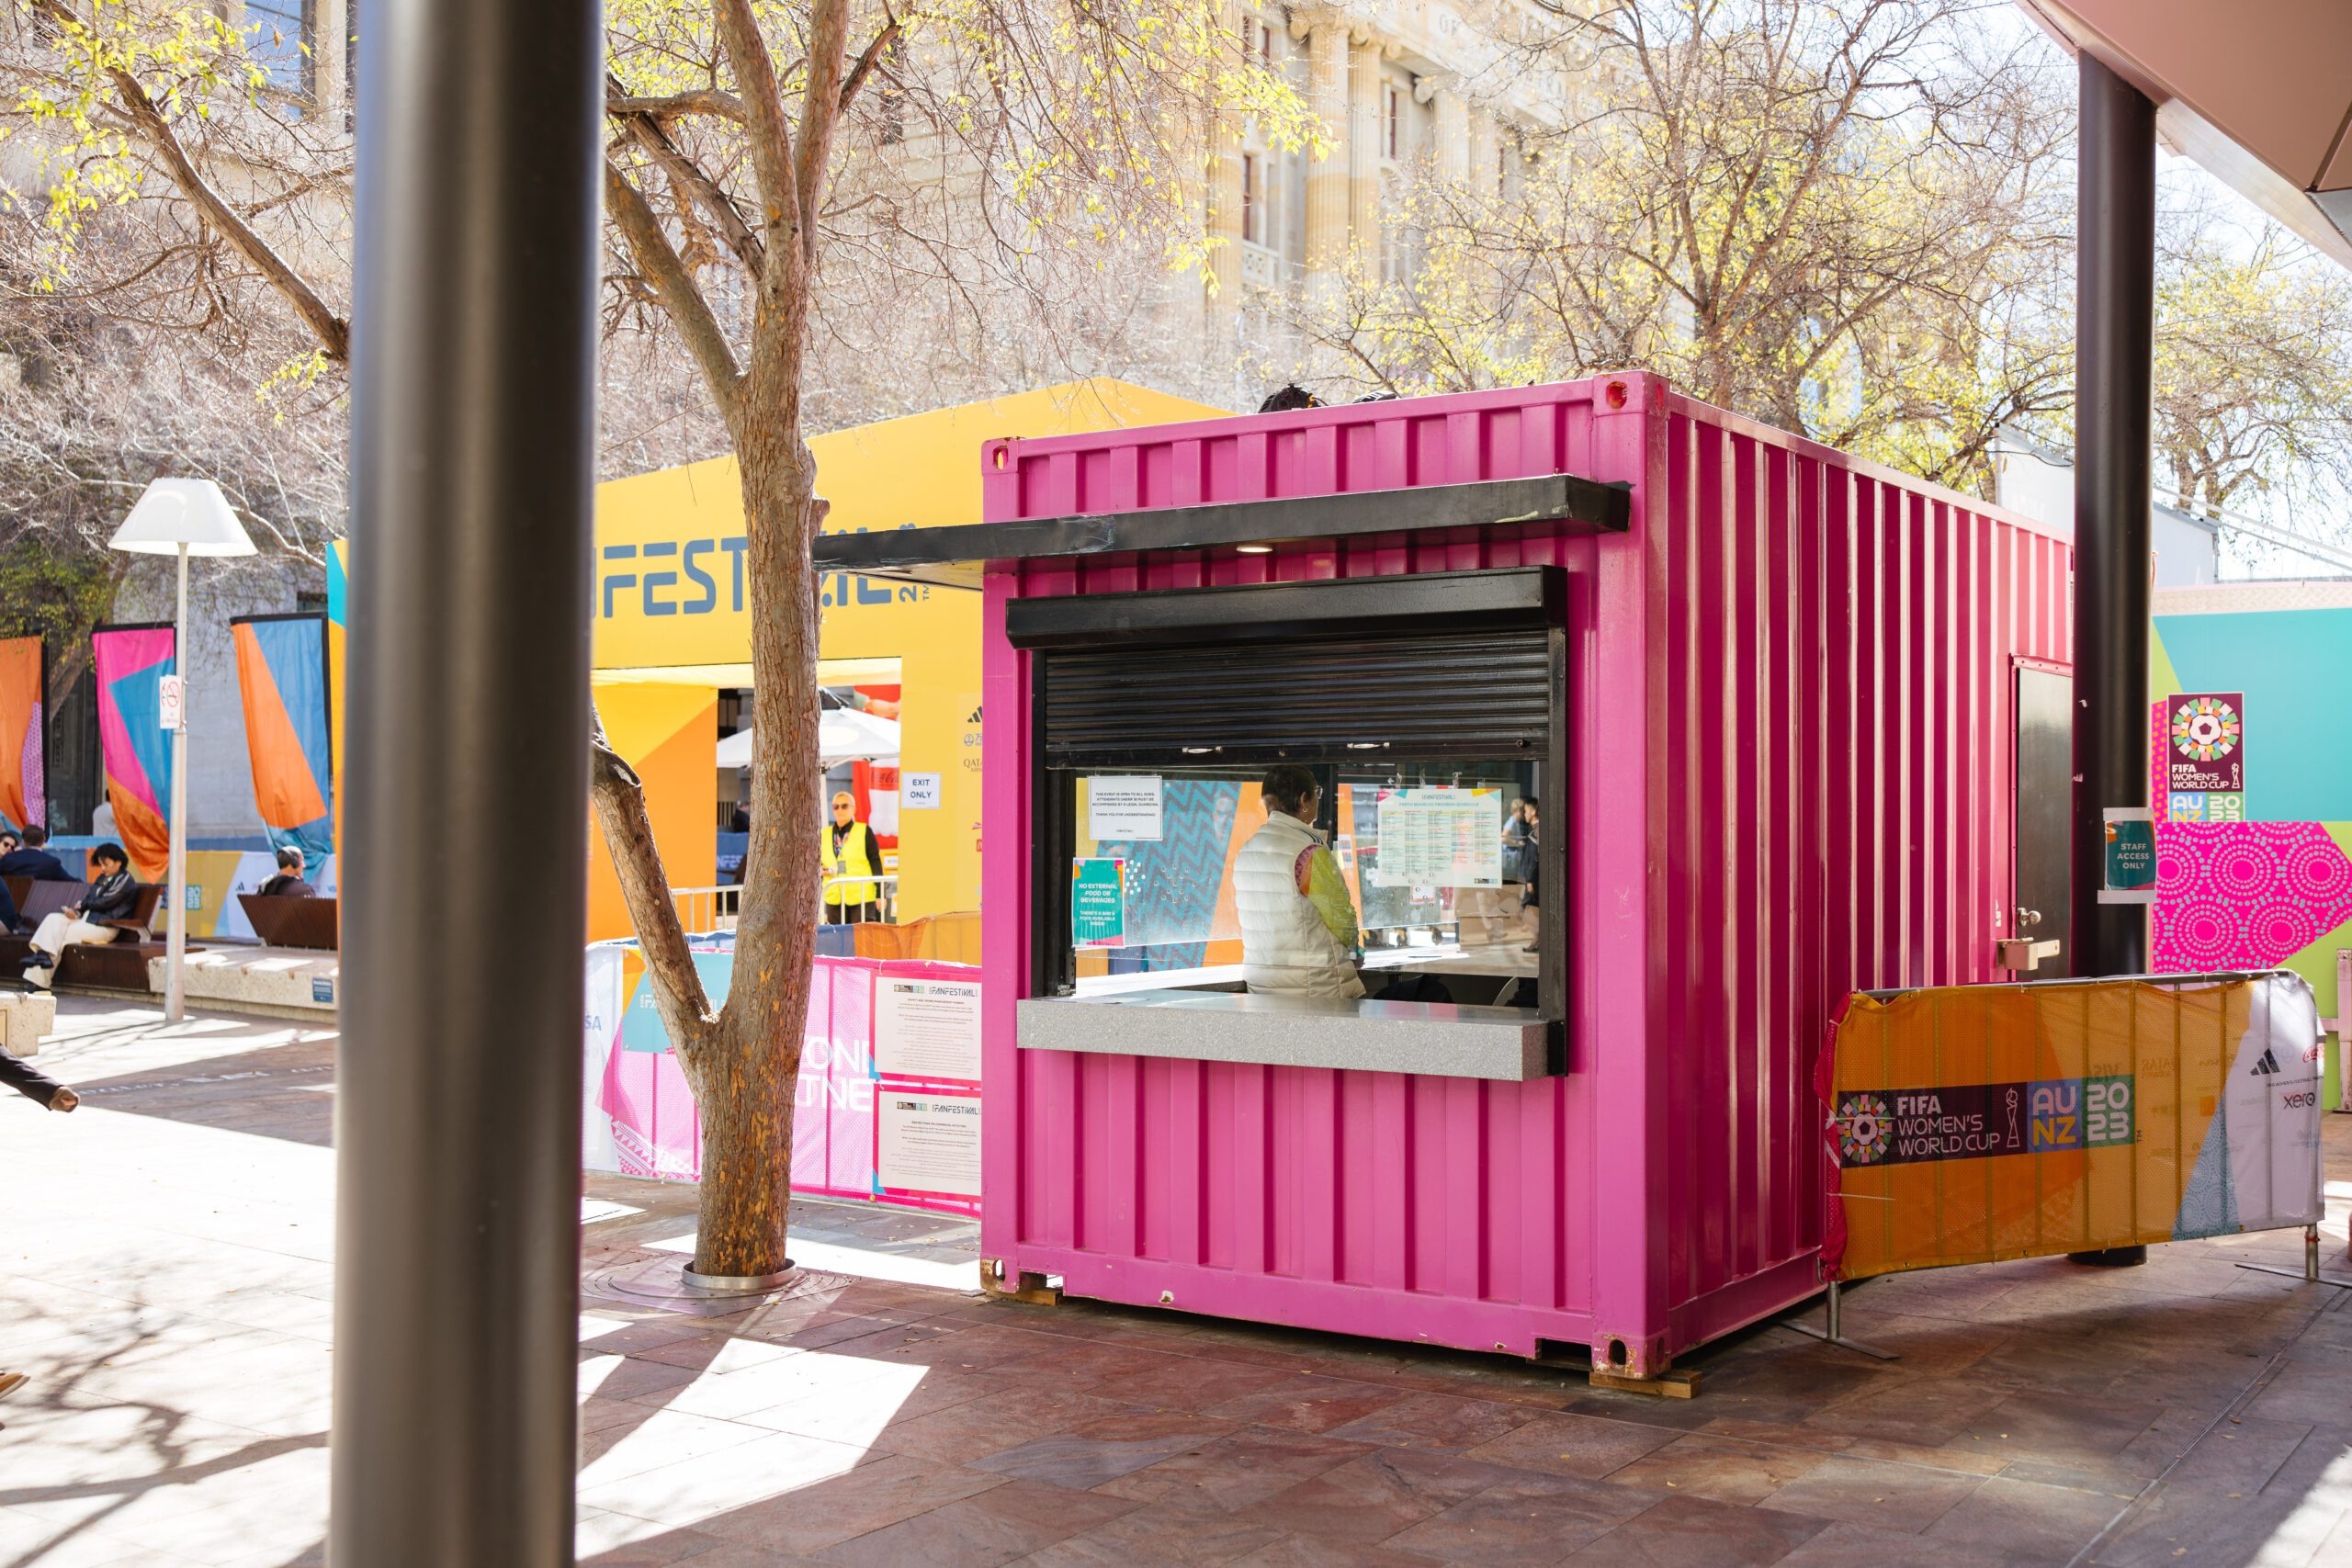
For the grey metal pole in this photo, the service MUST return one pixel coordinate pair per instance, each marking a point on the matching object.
(2114, 432)
(176, 878)
(2114, 354)
(457, 1126)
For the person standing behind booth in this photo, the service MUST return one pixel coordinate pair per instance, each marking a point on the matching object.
(113, 895)
(1532, 900)
(289, 883)
(31, 858)
(1299, 936)
(850, 854)
(1518, 841)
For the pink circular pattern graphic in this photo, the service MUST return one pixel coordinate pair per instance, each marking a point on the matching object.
(2245, 895)
(2319, 872)
(2276, 927)
(2204, 930)
(2245, 870)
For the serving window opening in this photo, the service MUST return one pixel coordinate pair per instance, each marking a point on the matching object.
(1437, 863)
(1426, 715)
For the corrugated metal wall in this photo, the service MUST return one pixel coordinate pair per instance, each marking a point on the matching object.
(1789, 751)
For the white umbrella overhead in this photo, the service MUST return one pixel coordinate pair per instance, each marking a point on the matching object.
(843, 735)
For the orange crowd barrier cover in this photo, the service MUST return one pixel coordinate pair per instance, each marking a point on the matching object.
(1969, 1123)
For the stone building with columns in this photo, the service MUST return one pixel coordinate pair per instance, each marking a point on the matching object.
(1404, 89)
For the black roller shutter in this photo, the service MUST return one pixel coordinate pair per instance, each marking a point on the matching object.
(1453, 694)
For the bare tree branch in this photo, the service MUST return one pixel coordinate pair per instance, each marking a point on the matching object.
(867, 59)
(707, 101)
(821, 101)
(626, 206)
(645, 127)
(333, 330)
(767, 133)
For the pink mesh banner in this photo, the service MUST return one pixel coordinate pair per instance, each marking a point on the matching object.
(638, 1088)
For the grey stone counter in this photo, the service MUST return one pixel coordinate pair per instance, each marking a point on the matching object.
(1437, 1039)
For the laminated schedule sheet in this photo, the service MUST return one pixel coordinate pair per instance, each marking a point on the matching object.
(1439, 836)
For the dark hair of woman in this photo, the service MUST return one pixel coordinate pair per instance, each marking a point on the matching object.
(1286, 786)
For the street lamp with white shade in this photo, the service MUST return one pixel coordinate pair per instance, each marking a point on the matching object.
(182, 518)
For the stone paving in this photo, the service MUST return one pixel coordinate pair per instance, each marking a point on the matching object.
(168, 1276)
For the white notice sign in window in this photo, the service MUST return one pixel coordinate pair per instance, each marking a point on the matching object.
(1124, 810)
(1439, 836)
(926, 1029)
(927, 1143)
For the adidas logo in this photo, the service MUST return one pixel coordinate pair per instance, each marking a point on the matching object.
(2267, 1065)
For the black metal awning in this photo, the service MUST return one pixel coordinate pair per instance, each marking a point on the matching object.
(955, 557)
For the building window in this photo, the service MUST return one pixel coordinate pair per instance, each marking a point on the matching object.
(1257, 41)
(277, 36)
(1253, 199)
(1392, 132)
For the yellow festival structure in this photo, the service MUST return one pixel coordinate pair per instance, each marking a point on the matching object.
(672, 628)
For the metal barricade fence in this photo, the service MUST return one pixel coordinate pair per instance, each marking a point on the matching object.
(887, 882)
(715, 908)
(707, 908)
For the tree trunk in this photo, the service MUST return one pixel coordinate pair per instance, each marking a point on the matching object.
(65, 670)
(743, 1091)
(745, 1084)
(744, 1064)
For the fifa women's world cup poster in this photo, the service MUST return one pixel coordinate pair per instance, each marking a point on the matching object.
(2204, 752)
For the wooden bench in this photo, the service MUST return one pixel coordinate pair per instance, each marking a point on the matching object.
(35, 902)
(117, 966)
(292, 922)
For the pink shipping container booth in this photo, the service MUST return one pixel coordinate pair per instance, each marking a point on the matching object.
(1775, 706)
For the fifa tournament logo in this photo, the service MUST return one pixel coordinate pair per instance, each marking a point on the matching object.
(1863, 1123)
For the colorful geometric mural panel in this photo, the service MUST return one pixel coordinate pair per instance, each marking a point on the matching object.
(282, 685)
(131, 663)
(22, 775)
(2245, 895)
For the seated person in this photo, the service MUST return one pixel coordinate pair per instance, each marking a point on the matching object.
(11, 918)
(113, 895)
(289, 883)
(1298, 924)
(31, 858)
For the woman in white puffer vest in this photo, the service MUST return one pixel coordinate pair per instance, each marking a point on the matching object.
(1298, 924)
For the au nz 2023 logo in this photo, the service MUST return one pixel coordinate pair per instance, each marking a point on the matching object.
(1906, 1126)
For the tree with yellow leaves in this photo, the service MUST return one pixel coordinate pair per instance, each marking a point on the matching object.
(1850, 220)
(2253, 373)
(755, 145)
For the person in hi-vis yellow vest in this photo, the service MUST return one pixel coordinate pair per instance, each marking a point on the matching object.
(851, 851)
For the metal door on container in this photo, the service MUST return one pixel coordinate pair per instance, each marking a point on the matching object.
(2043, 793)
